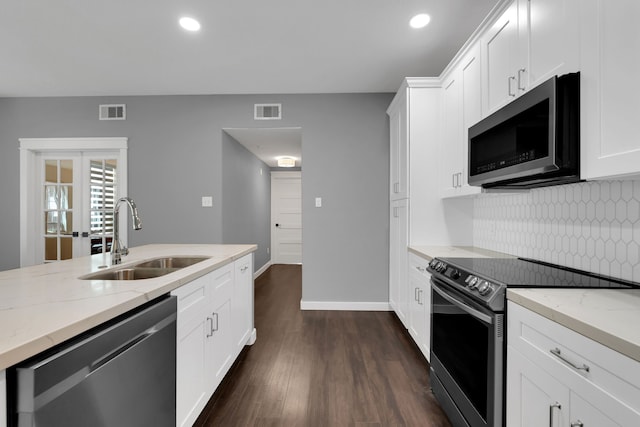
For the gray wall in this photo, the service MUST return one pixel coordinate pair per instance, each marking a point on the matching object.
(246, 199)
(175, 157)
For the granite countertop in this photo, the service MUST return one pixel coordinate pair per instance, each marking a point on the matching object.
(430, 252)
(608, 316)
(44, 305)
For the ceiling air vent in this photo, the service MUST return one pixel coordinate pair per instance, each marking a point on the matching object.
(113, 112)
(267, 112)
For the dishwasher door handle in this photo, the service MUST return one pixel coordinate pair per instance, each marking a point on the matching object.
(132, 342)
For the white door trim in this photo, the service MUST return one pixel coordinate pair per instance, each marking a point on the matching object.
(29, 149)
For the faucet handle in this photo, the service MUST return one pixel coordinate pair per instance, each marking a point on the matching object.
(124, 250)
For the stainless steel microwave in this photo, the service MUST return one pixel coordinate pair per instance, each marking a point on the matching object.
(531, 142)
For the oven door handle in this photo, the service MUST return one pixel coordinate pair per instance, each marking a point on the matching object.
(460, 304)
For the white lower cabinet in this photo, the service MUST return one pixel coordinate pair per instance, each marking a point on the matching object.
(215, 315)
(398, 242)
(420, 304)
(557, 377)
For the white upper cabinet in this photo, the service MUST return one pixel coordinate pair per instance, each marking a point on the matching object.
(500, 52)
(610, 105)
(532, 41)
(548, 39)
(399, 154)
(461, 108)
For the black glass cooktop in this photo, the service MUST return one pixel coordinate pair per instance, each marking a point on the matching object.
(523, 273)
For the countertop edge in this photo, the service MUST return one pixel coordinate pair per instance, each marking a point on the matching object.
(38, 344)
(591, 330)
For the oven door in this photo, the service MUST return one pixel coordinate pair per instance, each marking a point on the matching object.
(466, 358)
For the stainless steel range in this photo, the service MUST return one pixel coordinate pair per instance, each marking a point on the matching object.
(468, 348)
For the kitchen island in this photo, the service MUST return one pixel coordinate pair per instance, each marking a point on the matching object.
(45, 305)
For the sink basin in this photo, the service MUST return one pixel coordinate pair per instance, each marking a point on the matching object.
(129, 273)
(146, 269)
(171, 262)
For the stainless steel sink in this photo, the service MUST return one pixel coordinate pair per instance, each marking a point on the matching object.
(129, 273)
(171, 262)
(146, 269)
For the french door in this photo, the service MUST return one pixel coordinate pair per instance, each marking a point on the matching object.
(68, 193)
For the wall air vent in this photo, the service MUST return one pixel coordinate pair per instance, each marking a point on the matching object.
(113, 112)
(267, 112)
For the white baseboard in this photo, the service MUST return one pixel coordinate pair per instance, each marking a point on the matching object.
(344, 306)
(262, 269)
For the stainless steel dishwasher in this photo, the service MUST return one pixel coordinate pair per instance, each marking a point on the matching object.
(121, 374)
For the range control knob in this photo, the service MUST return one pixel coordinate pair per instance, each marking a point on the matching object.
(484, 288)
(473, 282)
(433, 263)
(455, 274)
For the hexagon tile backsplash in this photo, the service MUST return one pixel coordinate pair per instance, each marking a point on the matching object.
(593, 226)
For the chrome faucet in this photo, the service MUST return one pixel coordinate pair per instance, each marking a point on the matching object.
(117, 250)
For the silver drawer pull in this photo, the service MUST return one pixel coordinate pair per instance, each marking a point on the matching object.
(556, 352)
(577, 423)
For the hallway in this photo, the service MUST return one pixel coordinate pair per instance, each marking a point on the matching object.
(322, 368)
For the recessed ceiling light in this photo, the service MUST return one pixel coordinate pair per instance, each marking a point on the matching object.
(189, 24)
(420, 20)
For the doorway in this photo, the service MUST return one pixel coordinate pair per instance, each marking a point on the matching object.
(68, 189)
(286, 217)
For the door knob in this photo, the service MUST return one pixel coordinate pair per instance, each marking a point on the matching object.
(277, 225)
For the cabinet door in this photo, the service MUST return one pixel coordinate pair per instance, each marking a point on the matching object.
(243, 301)
(534, 398)
(399, 139)
(399, 240)
(471, 78)
(220, 346)
(584, 413)
(500, 50)
(192, 328)
(610, 102)
(548, 40)
(450, 152)
(416, 312)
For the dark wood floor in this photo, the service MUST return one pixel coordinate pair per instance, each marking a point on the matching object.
(322, 368)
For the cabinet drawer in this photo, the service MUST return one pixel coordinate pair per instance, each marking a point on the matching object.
(573, 358)
(418, 264)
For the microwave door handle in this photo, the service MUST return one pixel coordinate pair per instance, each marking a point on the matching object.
(462, 306)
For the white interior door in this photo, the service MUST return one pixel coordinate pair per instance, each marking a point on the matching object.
(68, 189)
(286, 217)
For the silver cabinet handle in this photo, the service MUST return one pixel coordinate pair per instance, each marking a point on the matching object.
(420, 269)
(396, 187)
(420, 300)
(415, 294)
(509, 84)
(216, 328)
(551, 408)
(453, 180)
(210, 333)
(395, 212)
(577, 423)
(520, 71)
(459, 179)
(556, 352)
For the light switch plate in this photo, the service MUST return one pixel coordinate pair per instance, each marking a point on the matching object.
(318, 202)
(207, 201)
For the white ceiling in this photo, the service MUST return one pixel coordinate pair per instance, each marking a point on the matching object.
(270, 144)
(135, 47)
